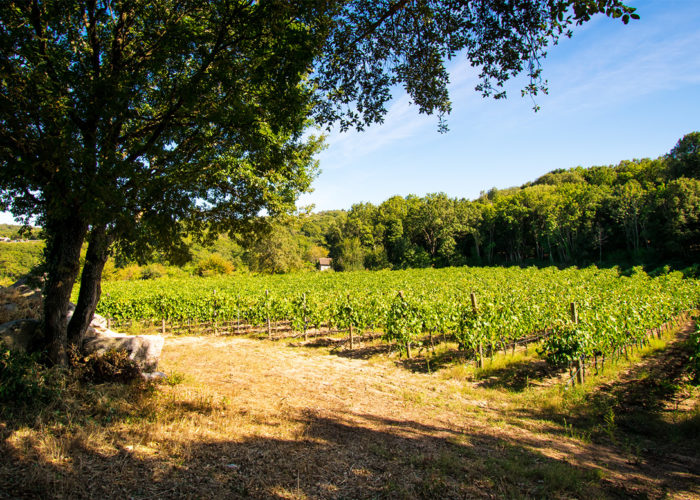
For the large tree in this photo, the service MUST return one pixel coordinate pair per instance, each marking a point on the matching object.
(127, 123)
(130, 123)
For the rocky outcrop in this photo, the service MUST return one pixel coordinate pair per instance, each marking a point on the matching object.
(20, 313)
(143, 349)
(20, 334)
(20, 301)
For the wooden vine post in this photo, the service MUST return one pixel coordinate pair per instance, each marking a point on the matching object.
(238, 315)
(267, 313)
(574, 313)
(303, 305)
(352, 338)
(408, 342)
(475, 309)
(580, 376)
(215, 314)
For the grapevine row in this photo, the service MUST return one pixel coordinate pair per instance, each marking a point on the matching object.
(513, 303)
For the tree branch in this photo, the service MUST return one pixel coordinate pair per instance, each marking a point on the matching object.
(389, 13)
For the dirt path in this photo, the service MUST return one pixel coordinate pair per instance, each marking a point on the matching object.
(355, 428)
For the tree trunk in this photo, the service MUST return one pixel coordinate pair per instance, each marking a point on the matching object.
(65, 239)
(90, 289)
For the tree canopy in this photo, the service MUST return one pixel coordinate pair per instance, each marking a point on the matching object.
(374, 45)
(127, 124)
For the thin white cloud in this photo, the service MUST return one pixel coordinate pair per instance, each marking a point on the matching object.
(401, 122)
(620, 65)
(627, 73)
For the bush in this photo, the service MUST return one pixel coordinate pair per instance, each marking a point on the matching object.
(213, 265)
(112, 366)
(692, 271)
(153, 271)
(568, 343)
(22, 378)
(127, 273)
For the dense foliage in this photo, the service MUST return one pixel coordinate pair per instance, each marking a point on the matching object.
(22, 379)
(128, 124)
(637, 212)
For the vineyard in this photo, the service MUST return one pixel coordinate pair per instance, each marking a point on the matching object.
(577, 315)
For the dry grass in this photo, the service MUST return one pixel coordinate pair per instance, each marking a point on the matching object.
(239, 418)
(19, 302)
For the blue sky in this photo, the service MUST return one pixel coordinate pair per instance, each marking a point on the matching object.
(616, 92)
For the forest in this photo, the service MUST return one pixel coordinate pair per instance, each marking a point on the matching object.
(638, 212)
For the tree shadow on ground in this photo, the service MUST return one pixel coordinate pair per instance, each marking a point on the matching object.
(431, 362)
(643, 412)
(318, 342)
(341, 345)
(363, 351)
(516, 376)
(350, 455)
(423, 360)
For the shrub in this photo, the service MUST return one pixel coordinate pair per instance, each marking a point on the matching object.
(567, 344)
(153, 271)
(213, 265)
(112, 366)
(22, 378)
(110, 270)
(128, 273)
(403, 323)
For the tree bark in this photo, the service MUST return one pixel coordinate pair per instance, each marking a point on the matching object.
(90, 284)
(65, 239)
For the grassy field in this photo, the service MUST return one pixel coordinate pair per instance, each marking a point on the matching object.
(240, 417)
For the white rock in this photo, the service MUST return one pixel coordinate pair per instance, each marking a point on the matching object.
(20, 334)
(144, 349)
(153, 376)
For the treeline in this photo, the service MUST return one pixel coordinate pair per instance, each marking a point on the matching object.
(639, 211)
(15, 232)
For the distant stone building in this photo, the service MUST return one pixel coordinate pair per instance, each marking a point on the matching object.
(324, 264)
